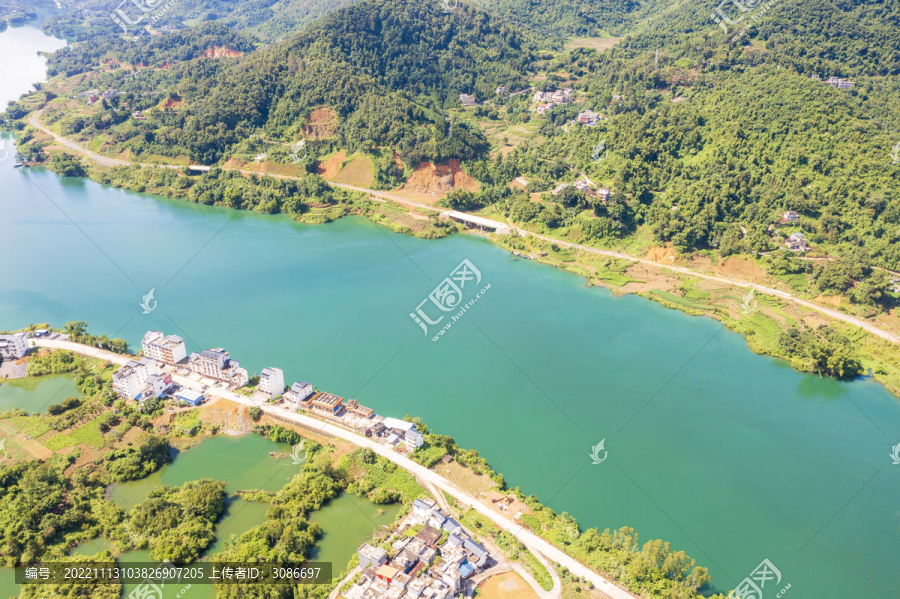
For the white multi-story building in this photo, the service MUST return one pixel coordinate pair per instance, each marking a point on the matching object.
(271, 381)
(299, 392)
(169, 350)
(13, 347)
(215, 364)
(156, 385)
(130, 380)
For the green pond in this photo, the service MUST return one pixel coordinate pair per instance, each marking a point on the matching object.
(34, 394)
(730, 456)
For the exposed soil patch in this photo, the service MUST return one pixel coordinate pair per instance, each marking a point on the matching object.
(465, 478)
(231, 417)
(33, 447)
(742, 270)
(505, 505)
(171, 103)
(506, 586)
(329, 168)
(833, 300)
(439, 179)
(661, 254)
(217, 52)
(357, 172)
(321, 123)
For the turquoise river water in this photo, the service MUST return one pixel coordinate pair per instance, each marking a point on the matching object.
(731, 457)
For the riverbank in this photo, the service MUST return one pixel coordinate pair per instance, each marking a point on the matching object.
(811, 337)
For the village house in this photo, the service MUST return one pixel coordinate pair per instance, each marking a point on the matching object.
(168, 350)
(559, 188)
(402, 431)
(467, 100)
(790, 216)
(797, 243)
(542, 108)
(271, 382)
(371, 556)
(589, 117)
(839, 83)
(216, 364)
(500, 90)
(13, 347)
(355, 408)
(325, 402)
(129, 380)
(299, 392)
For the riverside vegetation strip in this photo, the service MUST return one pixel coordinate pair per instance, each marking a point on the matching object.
(371, 471)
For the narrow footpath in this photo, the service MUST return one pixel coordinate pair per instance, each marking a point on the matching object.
(533, 542)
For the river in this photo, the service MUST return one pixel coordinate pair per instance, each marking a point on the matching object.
(731, 457)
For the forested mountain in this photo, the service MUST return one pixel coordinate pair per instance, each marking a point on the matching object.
(851, 38)
(265, 21)
(386, 68)
(575, 18)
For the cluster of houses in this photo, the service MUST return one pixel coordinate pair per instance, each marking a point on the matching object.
(141, 379)
(413, 572)
(836, 82)
(582, 185)
(796, 242)
(550, 99)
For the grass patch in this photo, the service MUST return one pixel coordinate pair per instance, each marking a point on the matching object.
(34, 426)
(678, 300)
(615, 278)
(88, 434)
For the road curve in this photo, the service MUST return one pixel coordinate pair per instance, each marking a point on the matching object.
(866, 326)
(529, 539)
